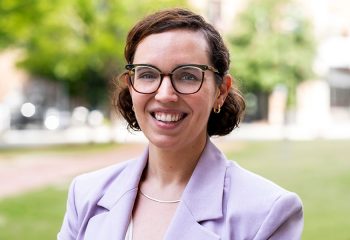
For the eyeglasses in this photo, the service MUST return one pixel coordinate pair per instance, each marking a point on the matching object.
(185, 79)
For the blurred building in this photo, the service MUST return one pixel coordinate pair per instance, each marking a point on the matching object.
(27, 101)
(330, 94)
(332, 64)
(12, 81)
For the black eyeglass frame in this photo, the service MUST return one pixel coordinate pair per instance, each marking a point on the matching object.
(203, 67)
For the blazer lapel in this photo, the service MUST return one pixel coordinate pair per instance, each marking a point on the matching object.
(117, 204)
(185, 227)
(112, 224)
(202, 199)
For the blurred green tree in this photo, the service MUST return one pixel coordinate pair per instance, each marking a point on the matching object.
(76, 42)
(271, 43)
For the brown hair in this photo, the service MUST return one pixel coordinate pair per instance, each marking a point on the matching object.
(232, 110)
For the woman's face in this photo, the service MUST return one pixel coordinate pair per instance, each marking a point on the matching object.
(169, 119)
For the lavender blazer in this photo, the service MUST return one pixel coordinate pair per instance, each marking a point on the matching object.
(221, 201)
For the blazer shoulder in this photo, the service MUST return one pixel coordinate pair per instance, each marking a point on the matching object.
(103, 174)
(93, 184)
(247, 182)
(254, 201)
(251, 191)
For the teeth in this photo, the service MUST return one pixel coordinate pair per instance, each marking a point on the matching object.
(167, 117)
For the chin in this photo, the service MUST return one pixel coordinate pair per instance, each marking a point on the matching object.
(165, 142)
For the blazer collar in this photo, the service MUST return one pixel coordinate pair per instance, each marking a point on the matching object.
(205, 188)
(117, 202)
(127, 181)
(202, 198)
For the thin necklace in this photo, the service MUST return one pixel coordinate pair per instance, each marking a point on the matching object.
(157, 200)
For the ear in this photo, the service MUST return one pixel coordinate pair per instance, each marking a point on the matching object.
(125, 80)
(224, 89)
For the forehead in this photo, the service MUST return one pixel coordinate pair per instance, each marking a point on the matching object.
(173, 47)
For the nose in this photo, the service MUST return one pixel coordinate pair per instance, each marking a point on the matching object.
(166, 91)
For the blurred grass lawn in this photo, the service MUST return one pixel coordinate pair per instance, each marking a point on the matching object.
(319, 171)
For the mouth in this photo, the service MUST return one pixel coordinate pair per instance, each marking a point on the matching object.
(168, 117)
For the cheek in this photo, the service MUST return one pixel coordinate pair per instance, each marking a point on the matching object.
(139, 101)
(137, 108)
(203, 105)
(209, 95)
(136, 102)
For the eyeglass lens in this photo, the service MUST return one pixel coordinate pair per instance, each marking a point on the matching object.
(187, 79)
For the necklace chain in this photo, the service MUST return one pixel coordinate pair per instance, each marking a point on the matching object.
(158, 200)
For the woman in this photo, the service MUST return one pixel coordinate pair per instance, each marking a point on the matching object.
(177, 90)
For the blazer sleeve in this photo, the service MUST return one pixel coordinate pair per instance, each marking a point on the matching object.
(284, 220)
(69, 229)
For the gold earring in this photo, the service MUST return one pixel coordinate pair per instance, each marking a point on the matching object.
(218, 109)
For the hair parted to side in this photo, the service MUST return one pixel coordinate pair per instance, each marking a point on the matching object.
(177, 18)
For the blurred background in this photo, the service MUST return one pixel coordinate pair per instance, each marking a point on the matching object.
(58, 63)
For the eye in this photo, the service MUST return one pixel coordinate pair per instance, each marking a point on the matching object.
(188, 74)
(185, 76)
(146, 74)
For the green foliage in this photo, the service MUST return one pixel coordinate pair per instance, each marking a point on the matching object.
(77, 42)
(272, 44)
(19, 18)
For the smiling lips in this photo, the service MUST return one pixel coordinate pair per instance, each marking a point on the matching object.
(168, 117)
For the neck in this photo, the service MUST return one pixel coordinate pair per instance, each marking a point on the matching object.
(172, 167)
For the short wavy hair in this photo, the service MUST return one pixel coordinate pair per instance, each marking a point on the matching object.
(172, 19)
